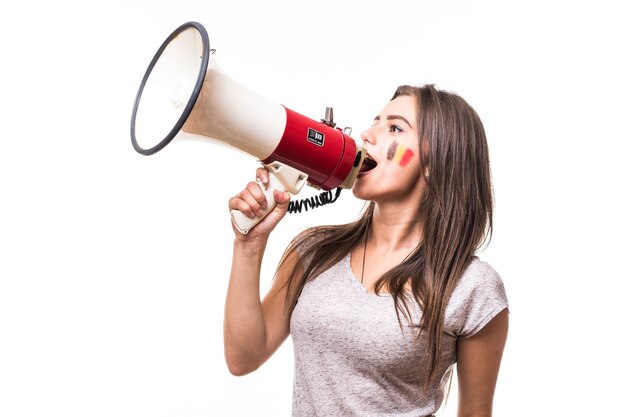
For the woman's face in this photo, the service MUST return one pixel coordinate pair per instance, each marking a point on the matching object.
(393, 143)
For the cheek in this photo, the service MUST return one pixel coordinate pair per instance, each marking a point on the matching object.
(400, 154)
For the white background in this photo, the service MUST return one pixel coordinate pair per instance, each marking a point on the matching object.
(114, 266)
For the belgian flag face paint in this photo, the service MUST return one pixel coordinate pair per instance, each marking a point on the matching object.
(399, 153)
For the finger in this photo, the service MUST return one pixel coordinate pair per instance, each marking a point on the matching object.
(233, 202)
(257, 193)
(252, 202)
(238, 204)
(263, 175)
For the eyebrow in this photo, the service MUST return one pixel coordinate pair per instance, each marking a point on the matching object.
(394, 117)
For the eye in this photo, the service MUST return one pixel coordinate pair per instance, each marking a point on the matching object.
(395, 129)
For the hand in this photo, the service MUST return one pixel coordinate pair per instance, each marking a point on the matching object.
(252, 203)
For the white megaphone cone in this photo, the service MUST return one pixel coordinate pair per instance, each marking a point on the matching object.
(184, 94)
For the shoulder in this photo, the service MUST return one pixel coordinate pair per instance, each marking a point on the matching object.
(477, 297)
(305, 244)
(310, 238)
(479, 279)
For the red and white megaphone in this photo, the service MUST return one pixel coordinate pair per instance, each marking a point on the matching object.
(184, 93)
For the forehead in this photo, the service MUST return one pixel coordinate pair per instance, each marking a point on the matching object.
(405, 106)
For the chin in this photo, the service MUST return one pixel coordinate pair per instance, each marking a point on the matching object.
(360, 192)
(380, 194)
(365, 194)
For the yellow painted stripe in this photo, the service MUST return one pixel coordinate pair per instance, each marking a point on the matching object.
(399, 153)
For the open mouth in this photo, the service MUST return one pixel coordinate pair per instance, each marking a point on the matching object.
(368, 165)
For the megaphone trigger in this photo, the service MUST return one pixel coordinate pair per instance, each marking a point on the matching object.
(281, 177)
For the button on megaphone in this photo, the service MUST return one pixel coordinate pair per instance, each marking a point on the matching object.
(184, 93)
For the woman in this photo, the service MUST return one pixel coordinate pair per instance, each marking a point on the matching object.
(380, 309)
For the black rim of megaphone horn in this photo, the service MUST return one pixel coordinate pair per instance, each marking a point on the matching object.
(194, 96)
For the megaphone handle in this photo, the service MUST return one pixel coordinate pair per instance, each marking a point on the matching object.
(281, 177)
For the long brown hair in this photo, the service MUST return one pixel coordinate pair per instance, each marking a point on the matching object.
(456, 211)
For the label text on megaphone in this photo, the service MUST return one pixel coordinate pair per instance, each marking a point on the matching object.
(315, 137)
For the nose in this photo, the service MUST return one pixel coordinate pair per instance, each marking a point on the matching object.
(368, 136)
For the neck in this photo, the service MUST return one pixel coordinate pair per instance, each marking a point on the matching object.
(396, 223)
(395, 228)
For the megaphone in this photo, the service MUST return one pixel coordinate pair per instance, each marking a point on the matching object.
(185, 94)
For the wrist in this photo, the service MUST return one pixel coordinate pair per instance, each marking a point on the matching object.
(250, 245)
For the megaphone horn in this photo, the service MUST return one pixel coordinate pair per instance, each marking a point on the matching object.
(184, 93)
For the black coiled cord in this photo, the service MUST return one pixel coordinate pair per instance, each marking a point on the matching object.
(313, 202)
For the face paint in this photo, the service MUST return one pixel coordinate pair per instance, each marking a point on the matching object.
(392, 150)
(399, 154)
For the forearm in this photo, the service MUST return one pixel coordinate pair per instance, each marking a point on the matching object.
(244, 325)
(483, 413)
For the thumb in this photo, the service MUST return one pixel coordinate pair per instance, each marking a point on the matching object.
(282, 199)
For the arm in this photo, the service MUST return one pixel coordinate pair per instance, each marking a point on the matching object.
(254, 329)
(478, 363)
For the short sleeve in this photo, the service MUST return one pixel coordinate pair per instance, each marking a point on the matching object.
(477, 298)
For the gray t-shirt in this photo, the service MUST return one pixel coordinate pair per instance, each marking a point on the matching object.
(353, 359)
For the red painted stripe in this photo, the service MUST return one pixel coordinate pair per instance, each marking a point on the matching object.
(408, 154)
